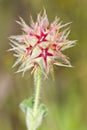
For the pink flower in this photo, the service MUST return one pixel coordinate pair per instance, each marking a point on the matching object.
(41, 44)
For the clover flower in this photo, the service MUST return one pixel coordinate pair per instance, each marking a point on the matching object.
(41, 44)
(39, 47)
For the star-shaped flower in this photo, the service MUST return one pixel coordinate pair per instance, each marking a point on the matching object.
(41, 44)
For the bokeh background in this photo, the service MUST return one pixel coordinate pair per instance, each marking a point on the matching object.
(66, 97)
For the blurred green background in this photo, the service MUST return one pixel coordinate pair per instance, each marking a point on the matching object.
(66, 98)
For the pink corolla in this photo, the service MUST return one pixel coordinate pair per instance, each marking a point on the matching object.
(41, 44)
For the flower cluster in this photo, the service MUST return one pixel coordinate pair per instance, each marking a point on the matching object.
(41, 44)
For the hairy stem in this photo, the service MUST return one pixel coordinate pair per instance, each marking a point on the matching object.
(37, 80)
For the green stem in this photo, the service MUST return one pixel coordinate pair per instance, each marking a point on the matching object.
(37, 79)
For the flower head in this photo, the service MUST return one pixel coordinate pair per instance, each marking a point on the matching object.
(41, 44)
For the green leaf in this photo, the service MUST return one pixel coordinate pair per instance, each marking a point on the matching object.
(27, 103)
(43, 109)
